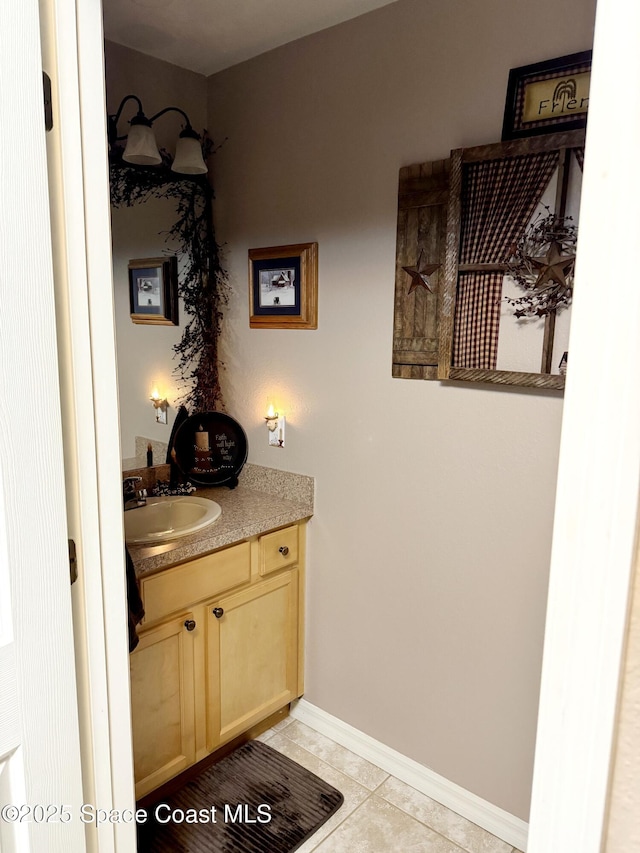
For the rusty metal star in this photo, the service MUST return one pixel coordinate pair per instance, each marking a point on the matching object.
(554, 266)
(420, 274)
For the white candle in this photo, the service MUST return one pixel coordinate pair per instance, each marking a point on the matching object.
(202, 440)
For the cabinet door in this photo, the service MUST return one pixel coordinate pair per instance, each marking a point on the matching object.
(162, 703)
(252, 656)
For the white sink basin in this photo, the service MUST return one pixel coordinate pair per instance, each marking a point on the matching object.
(167, 518)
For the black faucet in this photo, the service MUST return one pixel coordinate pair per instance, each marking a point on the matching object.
(130, 493)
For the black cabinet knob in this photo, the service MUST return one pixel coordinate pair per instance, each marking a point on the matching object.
(190, 624)
(218, 612)
(284, 550)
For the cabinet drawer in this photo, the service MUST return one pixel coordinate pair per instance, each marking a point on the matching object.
(278, 550)
(185, 585)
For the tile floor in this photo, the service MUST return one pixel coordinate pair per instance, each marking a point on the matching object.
(380, 813)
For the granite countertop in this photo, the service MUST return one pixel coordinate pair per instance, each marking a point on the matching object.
(246, 512)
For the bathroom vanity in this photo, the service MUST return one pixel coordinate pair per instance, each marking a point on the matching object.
(221, 644)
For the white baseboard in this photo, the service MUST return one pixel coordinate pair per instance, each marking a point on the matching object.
(495, 820)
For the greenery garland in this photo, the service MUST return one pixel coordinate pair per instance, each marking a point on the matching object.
(203, 284)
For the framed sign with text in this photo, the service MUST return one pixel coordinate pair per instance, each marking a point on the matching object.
(547, 97)
(211, 449)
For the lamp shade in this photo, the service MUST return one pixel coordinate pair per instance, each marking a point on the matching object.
(188, 159)
(141, 146)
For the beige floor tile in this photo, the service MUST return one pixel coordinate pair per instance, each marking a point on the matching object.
(396, 818)
(282, 724)
(278, 727)
(465, 834)
(378, 827)
(362, 771)
(265, 736)
(353, 793)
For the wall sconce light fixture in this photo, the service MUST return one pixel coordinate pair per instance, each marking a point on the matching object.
(275, 425)
(142, 149)
(160, 404)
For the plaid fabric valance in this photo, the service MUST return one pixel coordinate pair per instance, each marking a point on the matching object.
(498, 199)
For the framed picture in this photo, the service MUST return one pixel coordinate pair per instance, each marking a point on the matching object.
(548, 96)
(153, 290)
(283, 287)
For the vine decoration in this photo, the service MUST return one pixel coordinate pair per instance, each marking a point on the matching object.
(542, 262)
(203, 283)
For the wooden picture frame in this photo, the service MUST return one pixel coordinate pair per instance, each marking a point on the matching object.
(564, 143)
(283, 287)
(548, 97)
(153, 291)
(430, 215)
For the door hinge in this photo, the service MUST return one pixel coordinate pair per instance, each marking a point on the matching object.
(48, 106)
(73, 561)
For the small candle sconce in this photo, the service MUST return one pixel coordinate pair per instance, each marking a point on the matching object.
(160, 404)
(275, 425)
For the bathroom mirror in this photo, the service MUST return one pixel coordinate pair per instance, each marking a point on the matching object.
(144, 352)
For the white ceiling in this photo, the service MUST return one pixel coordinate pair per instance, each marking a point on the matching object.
(209, 35)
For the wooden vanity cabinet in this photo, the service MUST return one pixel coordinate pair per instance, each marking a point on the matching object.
(221, 648)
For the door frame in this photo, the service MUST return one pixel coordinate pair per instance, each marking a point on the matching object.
(597, 497)
(72, 44)
(596, 513)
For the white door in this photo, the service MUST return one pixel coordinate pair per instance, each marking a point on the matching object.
(40, 770)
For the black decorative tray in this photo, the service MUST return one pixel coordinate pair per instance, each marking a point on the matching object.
(211, 449)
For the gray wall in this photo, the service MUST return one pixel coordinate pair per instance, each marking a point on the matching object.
(430, 544)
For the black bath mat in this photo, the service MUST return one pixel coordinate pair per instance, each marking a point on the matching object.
(253, 801)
